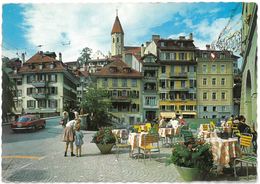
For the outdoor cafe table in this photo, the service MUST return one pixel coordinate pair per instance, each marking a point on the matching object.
(135, 141)
(119, 132)
(167, 132)
(224, 151)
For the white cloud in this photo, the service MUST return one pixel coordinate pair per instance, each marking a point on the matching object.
(90, 24)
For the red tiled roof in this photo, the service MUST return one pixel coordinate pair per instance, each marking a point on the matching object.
(117, 28)
(40, 58)
(136, 51)
(120, 73)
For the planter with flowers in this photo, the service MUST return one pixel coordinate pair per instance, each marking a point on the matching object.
(104, 139)
(193, 160)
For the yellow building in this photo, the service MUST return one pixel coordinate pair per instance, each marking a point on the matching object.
(177, 76)
(123, 84)
(215, 83)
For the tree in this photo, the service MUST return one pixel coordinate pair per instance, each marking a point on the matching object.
(85, 55)
(96, 103)
(8, 93)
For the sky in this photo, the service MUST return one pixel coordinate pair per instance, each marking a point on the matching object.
(69, 27)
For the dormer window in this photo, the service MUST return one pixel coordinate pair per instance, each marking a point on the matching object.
(40, 66)
(127, 69)
(162, 44)
(113, 69)
(51, 65)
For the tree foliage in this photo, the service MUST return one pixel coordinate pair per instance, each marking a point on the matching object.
(85, 55)
(8, 93)
(96, 103)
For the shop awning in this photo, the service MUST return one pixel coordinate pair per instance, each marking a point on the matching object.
(168, 114)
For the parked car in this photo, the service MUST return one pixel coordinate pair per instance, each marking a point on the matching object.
(28, 122)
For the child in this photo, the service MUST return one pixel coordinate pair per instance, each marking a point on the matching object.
(78, 140)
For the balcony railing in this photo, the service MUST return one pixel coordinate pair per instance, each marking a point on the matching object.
(41, 83)
(179, 75)
(180, 89)
(120, 99)
(39, 95)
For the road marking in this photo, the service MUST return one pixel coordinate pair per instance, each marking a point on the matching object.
(25, 165)
(23, 157)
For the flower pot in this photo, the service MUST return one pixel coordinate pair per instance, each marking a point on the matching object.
(189, 174)
(105, 148)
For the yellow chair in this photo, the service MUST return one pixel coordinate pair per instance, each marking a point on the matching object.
(229, 123)
(248, 156)
(205, 127)
(148, 126)
(150, 143)
(138, 128)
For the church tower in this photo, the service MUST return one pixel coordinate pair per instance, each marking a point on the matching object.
(117, 35)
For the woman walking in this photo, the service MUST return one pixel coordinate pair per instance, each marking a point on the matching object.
(68, 135)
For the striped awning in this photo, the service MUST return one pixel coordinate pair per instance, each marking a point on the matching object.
(168, 114)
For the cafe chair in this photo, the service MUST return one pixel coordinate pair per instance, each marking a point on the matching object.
(148, 126)
(150, 144)
(206, 127)
(248, 157)
(122, 144)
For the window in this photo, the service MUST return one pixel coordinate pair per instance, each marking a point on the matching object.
(53, 78)
(42, 103)
(223, 81)
(163, 96)
(114, 93)
(53, 90)
(163, 69)
(223, 69)
(205, 55)
(183, 84)
(162, 44)
(213, 68)
(113, 40)
(134, 82)
(223, 108)
(150, 101)
(163, 107)
(30, 91)
(214, 81)
(167, 56)
(223, 95)
(181, 56)
(115, 83)
(173, 56)
(163, 84)
(124, 82)
(204, 82)
(30, 78)
(204, 96)
(182, 69)
(204, 68)
(52, 103)
(205, 108)
(104, 83)
(214, 108)
(117, 39)
(124, 93)
(182, 107)
(214, 97)
(162, 56)
(30, 103)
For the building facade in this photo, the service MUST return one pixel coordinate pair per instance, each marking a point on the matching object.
(123, 85)
(215, 83)
(248, 106)
(150, 97)
(48, 87)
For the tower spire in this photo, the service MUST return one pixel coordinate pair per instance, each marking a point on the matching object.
(116, 12)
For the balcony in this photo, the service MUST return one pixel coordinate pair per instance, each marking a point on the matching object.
(39, 83)
(39, 95)
(121, 99)
(150, 79)
(179, 75)
(180, 89)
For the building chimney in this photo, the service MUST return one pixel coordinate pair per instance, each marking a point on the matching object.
(155, 37)
(23, 59)
(208, 47)
(60, 56)
(191, 36)
(142, 50)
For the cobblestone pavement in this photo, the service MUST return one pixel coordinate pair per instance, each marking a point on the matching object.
(52, 166)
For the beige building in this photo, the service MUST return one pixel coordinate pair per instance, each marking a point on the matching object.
(248, 105)
(48, 86)
(214, 83)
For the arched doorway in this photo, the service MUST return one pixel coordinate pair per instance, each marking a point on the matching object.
(248, 103)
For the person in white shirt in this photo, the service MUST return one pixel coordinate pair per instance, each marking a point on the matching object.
(174, 122)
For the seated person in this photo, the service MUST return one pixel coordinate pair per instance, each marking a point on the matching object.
(162, 123)
(173, 122)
